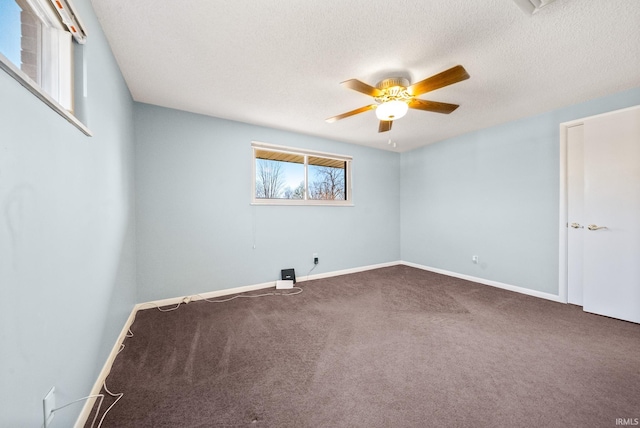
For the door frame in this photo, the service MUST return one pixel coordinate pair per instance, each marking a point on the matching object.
(563, 221)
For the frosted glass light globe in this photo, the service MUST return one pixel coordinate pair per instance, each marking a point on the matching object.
(392, 110)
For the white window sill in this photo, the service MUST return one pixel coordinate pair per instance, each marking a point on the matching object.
(290, 202)
(26, 81)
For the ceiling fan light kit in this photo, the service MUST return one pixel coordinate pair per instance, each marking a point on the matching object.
(395, 96)
(392, 110)
(393, 103)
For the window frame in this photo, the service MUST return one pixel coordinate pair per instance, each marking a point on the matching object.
(64, 43)
(348, 202)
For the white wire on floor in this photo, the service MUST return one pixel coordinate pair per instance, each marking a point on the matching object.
(101, 396)
(251, 295)
(186, 300)
(119, 395)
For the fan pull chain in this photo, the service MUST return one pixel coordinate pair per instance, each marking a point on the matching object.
(391, 143)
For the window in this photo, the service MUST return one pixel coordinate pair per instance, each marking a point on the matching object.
(36, 48)
(287, 176)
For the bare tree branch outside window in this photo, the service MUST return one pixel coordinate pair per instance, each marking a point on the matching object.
(329, 183)
(269, 179)
(297, 193)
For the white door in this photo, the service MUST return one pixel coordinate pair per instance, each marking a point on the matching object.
(575, 210)
(611, 216)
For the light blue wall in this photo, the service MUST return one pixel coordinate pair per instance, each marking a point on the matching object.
(67, 247)
(196, 225)
(492, 193)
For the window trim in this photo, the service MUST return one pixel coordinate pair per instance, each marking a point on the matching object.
(256, 145)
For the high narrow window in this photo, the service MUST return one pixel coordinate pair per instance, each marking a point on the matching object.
(36, 48)
(288, 176)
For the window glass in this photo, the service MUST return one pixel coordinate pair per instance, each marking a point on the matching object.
(327, 178)
(279, 175)
(10, 32)
(31, 49)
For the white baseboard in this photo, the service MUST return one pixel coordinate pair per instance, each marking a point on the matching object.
(106, 369)
(246, 288)
(201, 296)
(483, 281)
(347, 271)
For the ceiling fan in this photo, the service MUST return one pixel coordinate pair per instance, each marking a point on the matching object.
(395, 95)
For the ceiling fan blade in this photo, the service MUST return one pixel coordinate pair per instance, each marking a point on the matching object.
(385, 125)
(362, 87)
(448, 77)
(433, 106)
(351, 113)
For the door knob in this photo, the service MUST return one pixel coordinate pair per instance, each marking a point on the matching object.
(594, 227)
(577, 226)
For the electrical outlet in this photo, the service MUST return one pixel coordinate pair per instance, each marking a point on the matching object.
(315, 258)
(48, 404)
(474, 259)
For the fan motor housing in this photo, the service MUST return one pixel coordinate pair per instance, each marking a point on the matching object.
(391, 82)
(393, 89)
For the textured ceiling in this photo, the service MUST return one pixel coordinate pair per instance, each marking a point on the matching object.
(279, 63)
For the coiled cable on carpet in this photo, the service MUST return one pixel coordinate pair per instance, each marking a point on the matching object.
(185, 300)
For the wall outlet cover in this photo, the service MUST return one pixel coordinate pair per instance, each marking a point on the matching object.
(48, 404)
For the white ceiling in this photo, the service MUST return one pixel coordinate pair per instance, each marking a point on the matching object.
(279, 63)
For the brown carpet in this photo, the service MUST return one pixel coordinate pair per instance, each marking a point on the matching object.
(393, 347)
